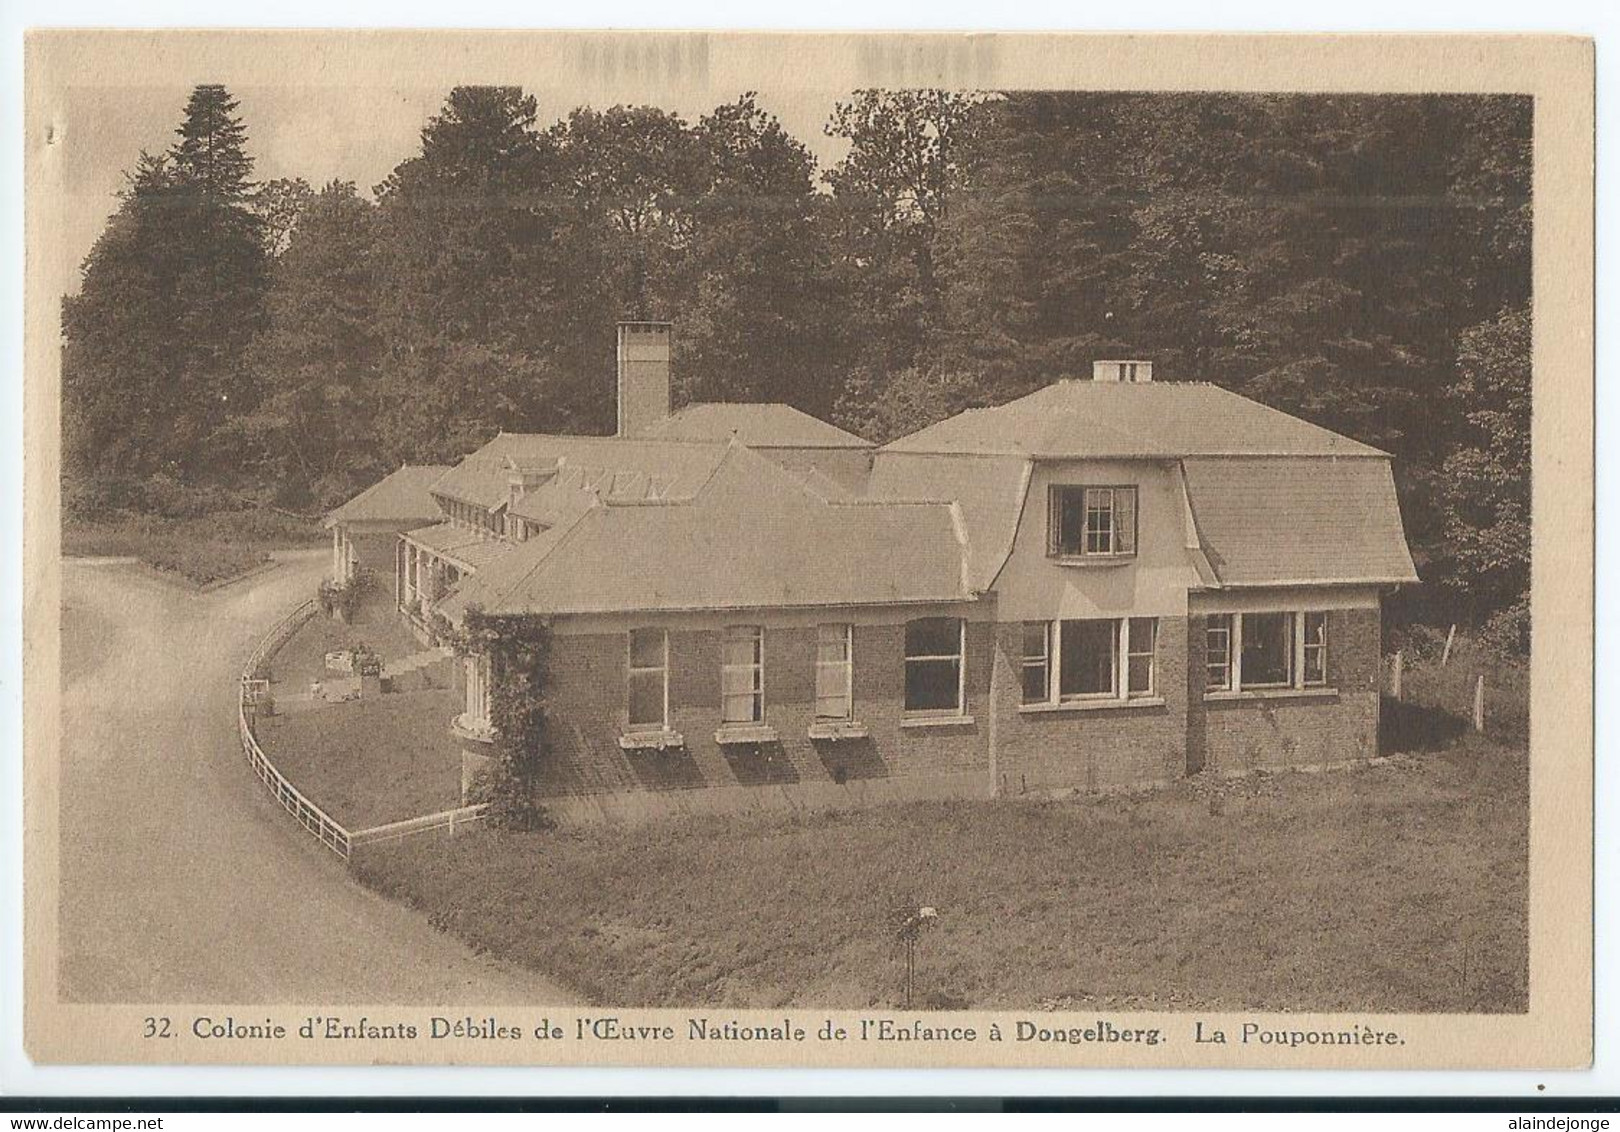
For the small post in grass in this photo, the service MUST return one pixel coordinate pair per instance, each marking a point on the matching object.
(1395, 676)
(1451, 638)
(912, 921)
(1479, 704)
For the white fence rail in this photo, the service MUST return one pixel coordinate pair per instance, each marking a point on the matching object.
(320, 825)
(446, 820)
(314, 819)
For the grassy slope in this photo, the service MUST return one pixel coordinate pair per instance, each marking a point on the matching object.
(1365, 890)
(201, 549)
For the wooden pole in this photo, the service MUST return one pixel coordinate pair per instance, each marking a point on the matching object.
(1479, 704)
(1395, 679)
(1451, 637)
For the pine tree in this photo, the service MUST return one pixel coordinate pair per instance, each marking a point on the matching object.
(170, 296)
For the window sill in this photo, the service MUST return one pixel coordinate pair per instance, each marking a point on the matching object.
(650, 740)
(745, 734)
(1273, 694)
(936, 721)
(1093, 705)
(478, 732)
(1092, 559)
(836, 729)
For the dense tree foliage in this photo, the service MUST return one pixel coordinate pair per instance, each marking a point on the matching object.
(1361, 261)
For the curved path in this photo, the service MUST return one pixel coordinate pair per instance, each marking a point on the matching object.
(181, 880)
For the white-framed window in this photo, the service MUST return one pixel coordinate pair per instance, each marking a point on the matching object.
(835, 671)
(648, 680)
(1218, 652)
(742, 674)
(936, 648)
(1270, 650)
(1141, 653)
(1091, 522)
(1037, 662)
(1090, 659)
(1267, 645)
(1313, 649)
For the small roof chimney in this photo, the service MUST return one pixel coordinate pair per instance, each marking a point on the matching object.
(643, 375)
(1133, 370)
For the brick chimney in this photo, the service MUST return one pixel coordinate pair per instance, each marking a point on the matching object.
(1134, 370)
(643, 375)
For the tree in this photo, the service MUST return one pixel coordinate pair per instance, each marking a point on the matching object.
(316, 364)
(279, 204)
(1485, 493)
(891, 192)
(480, 285)
(169, 298)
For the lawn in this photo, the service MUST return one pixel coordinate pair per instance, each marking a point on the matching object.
(1393, 887)
(371, 761)
(200, 548)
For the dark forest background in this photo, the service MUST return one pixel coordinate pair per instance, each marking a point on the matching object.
(1359, 261)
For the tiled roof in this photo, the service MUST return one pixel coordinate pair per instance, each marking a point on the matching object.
(1153, 419)
(460, 545)
(989, 490)
(400, 496)
(751, 538)
(1278, 521)
(756, 425)
(669, 468)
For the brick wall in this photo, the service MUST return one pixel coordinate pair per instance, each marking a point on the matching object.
(586, 711)
(1035, 752)
(1237, 736)
(1092, 748)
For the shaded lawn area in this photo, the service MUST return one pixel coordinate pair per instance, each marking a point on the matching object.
(1397, 887)
(377, 624)
(201, 549)
(371, 761)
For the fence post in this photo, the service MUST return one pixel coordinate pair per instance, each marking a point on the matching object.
(1395, 678)
(1479, 704)
(1451, 637)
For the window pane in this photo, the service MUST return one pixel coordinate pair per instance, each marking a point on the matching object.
(1099, 521)
(647, 699)
(832, 643)
(1144, 637)
(1125, 520)
(742, 708)
(1218, 652)
(646, 648)
(739, 680)
(832, 690)
(741, 645)
(1268, 649)
(1035, 683)
(1316, 648)
(933, 636)
(932, 685)
(1088, 654)
(1071, 519)
(1036, 662)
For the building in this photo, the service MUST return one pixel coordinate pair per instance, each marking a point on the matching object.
(1107, 583)
(366, 529)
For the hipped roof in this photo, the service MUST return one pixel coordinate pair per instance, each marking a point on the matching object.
(751, 538)
(401, 496)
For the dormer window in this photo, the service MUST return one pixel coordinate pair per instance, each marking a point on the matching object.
(1091, 522)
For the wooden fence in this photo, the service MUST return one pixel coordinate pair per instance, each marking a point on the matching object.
(320, 825)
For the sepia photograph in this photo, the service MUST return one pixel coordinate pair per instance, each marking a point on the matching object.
(630, 543)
